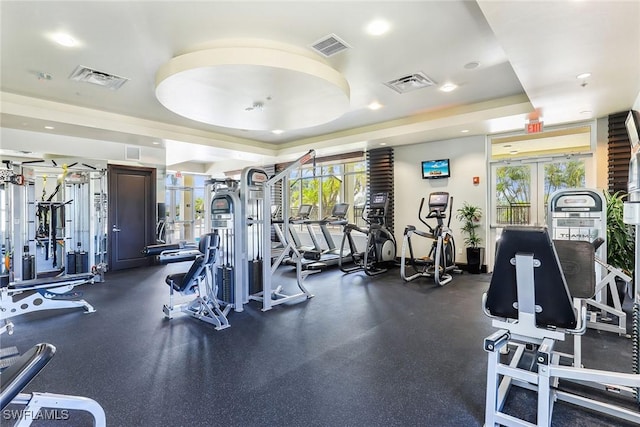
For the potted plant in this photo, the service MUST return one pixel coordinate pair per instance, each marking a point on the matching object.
(470, 216)
(620, 238)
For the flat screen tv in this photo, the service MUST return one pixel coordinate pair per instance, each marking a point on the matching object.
(632, 124)
(435, 169)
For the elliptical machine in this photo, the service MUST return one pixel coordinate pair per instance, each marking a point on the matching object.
(380, 249)
(440, 262)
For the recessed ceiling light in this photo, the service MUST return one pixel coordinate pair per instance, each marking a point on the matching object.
(64, 39)
(506, 146)
(585, 112)
(383, 143)
(472, 65)
(513, 152)
(464, 130)
(583, 76)
(375, 105)
(277, 131)
(155, 143)
(448, 87)
(49, 127)
(378, 27)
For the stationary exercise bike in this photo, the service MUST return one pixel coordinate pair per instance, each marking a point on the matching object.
(440, 262)
(380, 249)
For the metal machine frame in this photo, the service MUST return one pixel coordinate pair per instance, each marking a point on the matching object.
(381, 245)
(443, 248)
(200, 280)
(580, 214)
(536, 272)
(257, 197)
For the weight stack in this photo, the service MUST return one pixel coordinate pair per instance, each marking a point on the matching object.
(71, 263)
(225, 281)
(82, 262)
(255, 276)
(28, 267)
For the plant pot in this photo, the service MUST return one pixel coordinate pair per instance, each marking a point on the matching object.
(475, 258)
(621, 286)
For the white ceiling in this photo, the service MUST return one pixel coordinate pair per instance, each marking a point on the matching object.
(529, 53)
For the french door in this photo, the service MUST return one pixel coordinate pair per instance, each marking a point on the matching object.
(520, 189)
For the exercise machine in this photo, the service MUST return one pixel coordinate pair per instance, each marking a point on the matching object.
(580, 214)
(317, 257)
(440, 262)
(200, 280)
(39, 406)
(536, 297)
(302, 218)
(380, 249)
(61, 232)
(167, 253)
(257, 191)
(20, 291)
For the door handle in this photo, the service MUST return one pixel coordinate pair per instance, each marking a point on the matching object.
(115, 229)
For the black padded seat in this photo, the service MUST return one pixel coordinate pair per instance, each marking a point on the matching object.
(16, 377)
(186, 283)
(551, 291)
(152, 250)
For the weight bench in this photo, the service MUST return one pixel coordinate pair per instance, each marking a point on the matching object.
(172, 252)
(199, 280)
(536, 297)
(50, 293)
(16, 377)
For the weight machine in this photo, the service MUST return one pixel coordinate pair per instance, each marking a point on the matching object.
(257, 192)
(440, 262)
(202, 280)
(380, 249)
(580, 214)
(536, 297)
(64, 220)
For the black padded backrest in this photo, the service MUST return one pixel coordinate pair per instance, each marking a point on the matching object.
(208, 244)
(196, 269)
(551, 292)
(16, 377)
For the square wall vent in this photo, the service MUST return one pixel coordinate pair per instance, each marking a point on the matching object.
(329, 45)
(410, 83)
(131, 152)
(100, 78)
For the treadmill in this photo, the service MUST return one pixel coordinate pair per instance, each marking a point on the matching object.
(331, 255)
(304, 211)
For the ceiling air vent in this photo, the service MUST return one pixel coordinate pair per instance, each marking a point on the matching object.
(100, 78)
(411, 82)
(329, 45)
(132, 153)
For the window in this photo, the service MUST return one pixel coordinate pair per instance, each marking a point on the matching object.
(184, 198)
(329, 183)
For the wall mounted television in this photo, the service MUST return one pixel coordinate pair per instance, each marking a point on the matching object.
(632, 124)
(435, 169)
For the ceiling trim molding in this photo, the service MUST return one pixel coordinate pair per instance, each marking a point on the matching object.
(428, 121)
(36, 108)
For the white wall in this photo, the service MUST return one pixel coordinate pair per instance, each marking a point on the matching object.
(467, 160)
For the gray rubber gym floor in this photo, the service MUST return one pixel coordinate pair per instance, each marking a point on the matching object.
(363, 352)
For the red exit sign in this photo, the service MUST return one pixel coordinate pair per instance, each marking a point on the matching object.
(534, 126)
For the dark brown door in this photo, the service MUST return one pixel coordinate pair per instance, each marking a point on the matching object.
(132, 215)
